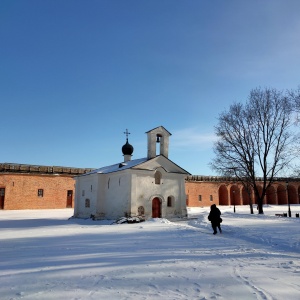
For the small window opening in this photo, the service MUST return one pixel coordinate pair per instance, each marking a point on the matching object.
(200, 197)
(157, 177)
(40, 193)
(87, 203)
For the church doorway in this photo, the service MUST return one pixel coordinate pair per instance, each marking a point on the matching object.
(156, 208)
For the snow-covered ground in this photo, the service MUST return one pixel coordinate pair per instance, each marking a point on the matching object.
(44, 255)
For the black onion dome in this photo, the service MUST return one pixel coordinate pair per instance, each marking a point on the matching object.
(127, 149)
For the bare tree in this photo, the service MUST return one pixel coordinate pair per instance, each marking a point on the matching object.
(254, 139)
(295, 96)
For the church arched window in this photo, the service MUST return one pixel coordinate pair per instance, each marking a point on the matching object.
(157, 176)
(170, 201)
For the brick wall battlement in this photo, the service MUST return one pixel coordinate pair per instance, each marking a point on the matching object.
(37, 169)
(202, 178)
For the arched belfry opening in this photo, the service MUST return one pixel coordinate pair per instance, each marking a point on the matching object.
(158, 142)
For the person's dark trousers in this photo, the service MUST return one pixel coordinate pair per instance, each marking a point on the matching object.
(214, 227)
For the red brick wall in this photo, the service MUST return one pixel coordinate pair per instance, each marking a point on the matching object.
(235, 193)
(21, 191)
(207, 190)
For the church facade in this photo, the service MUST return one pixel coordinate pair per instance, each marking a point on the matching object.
(150, 187)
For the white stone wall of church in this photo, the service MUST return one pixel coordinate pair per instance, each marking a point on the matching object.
(102, 184)
(145, 189)
(114, 195)
(182, 202)
(86, 196)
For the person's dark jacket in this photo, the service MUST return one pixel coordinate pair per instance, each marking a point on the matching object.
(214, 215)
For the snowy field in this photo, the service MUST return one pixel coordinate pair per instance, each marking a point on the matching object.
(44, 255)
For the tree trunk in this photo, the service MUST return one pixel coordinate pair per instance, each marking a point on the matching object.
(260, 206)
(251, 209)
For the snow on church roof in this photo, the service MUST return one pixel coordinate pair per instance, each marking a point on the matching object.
(117, 167)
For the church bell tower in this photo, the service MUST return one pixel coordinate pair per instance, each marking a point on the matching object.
(161, 136)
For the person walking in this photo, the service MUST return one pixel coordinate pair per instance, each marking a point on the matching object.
(215, 218)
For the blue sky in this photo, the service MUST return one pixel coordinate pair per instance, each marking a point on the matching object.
(75, 74)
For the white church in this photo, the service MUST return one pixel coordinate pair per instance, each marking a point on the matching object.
(150, 187)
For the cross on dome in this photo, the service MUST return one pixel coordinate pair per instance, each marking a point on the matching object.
(127, 149)
(127, 133)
